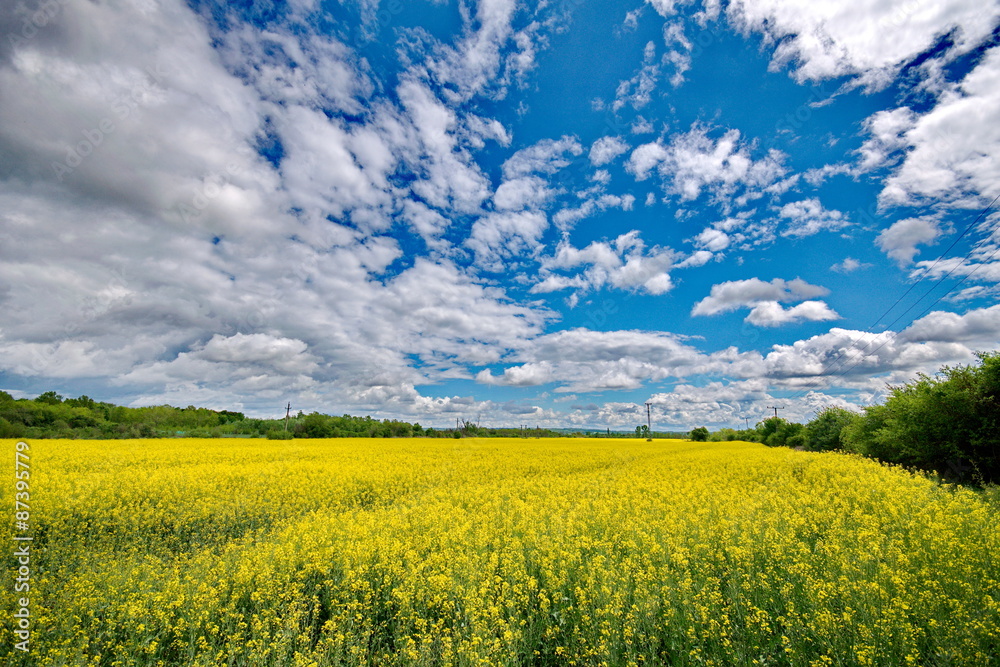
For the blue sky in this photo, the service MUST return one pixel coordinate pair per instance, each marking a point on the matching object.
(545, 213)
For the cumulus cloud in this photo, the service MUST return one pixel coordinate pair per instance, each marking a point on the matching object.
(638, 91)
(228, 191)
(238, 196)
(772, 314)
(583, 360)
(505, 235)
(944, 162)
(849, 265)
(715, 403)
(808, 217)
(523, 192)
(901, 239)
(544, 157)
(694, 162)
(606, 149)
(829, 39)
(568, 216)
(977, 328)
(624, 263)
(735, 294)
(713, 239)
(887, 137)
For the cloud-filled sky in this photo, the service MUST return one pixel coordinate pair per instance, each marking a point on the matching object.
(525, 213)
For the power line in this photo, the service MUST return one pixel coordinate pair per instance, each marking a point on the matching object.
(922, 277)
(929, 269)
(852, 347)
(950, 290)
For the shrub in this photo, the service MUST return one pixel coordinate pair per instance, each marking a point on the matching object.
(949, 424)
(823, 432)
(699, 434)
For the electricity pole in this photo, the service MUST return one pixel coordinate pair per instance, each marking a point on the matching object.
(288, 410)
(649, 422)
(775, 408)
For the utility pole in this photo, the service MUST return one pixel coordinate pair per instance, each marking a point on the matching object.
(775, 408)
(747, 420)
(649, 422)
(288, 410)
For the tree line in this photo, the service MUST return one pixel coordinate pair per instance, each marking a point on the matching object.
(948, 424)
(53, 416)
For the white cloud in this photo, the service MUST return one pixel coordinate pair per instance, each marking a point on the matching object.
(678, 51)
(945, 162)
(694, 162)
(606, 149)
(887, 130)
(697, 258)
(645, 158)
(506, 235)
(476, 65)
(569, 216)
(448, 178)
(582, 360)
(622, 264)
(638, 90)
(713, 239)
(664, 8)
(900, 241)
(526, 375)
(772, 314)
(977, 328)
(849, 265)
(715, 403)
(545, 157)
(521, 193)
(641, 126)
(827, 39)
(808, 217)
(733, 295)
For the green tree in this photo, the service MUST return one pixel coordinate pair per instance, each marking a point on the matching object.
(949, 424)
(823, 432)
(314, 425)
(786, 434)
(699, 434)
(767, 428)
(49, 398)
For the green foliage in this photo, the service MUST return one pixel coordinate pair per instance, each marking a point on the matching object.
(823, 433)
(700, 434)
(725, 435)
(49, 398)
(767, 428)
(949, 424)
(786, 434)
(275, 434)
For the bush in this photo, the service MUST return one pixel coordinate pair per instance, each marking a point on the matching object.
(823, 432)
(949, 424)
(699, 434)
(275, 434)
(785, 434)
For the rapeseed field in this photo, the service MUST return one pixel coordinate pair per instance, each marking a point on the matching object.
(498, 552)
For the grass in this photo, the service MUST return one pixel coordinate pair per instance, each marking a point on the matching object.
(500, 552)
